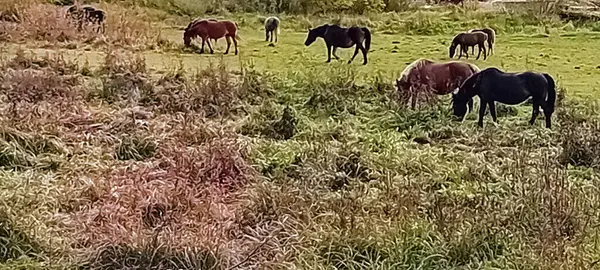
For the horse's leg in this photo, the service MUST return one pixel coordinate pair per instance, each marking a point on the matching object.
(334, 54)
(276, 35)
(228, 44)
(203, 42)
(472, 49)
(482, 106)
(548, 115)
(355, 53)
(460, 51)
(328, 53)
(493, 111)
(484, 51)
(210, 47)
(235, 44)
(535, 112)
(479, 52)
(364, 52)
(470, 103)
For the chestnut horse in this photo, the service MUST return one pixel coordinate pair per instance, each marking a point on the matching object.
(425, 76)
(466, 40)
(211, 29)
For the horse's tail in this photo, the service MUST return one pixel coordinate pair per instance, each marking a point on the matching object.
(367, 38)
(551, 92)
(237, 36)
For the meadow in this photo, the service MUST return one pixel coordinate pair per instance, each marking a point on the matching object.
(129, 151)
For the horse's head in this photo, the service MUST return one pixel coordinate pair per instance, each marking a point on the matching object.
(403, 84)
(459, 103)
(187, 39)
(464, 94)
(452, 49)
(312, 36)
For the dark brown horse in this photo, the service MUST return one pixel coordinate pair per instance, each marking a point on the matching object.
(426, 76)
(491, 34)
(87, 15)
(211, 29)
(465, 40)
(340, 37)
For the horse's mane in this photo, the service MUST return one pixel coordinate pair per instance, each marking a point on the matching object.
(416, 64)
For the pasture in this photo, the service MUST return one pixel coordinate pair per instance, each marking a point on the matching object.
(130, 151)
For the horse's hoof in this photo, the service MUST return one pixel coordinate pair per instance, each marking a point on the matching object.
(349, 62)
(364, 63)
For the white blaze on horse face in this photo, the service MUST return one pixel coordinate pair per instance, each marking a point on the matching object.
(455, 92)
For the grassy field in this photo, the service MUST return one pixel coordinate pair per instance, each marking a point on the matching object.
(128, 151)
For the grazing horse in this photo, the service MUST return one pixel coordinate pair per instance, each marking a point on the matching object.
(199, 20)
(340, 37)
(272, 28)
(212, 29)
(439, 78)
(491, 39)
(465, 40)
(493, 85)
(87, 14)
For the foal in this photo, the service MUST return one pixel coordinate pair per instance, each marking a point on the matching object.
(272, 28)
(465, 40)
(491, 38)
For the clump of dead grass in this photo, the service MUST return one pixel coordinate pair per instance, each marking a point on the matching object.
(156, 200)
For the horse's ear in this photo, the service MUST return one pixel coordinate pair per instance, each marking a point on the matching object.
(308, 28)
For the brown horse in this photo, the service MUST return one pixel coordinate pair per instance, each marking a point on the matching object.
(491, 38)
(199, 20)
(424, 75)
(211, 29)
(465, 40)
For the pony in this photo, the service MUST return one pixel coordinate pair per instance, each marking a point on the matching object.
(340, 37)
(272, 28)
(491, 39)
(439, 78)
(493, 85)
(212, 29)
(465, 40)
(87, 14)
(199, 20)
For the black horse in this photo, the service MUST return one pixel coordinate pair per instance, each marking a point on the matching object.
(340, 37)
(87, 14)
(493, 85)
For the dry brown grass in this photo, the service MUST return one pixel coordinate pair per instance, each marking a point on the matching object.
(27, 21)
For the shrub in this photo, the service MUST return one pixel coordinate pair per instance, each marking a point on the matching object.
(135, 147)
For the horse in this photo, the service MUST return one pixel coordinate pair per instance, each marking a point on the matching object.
(491, 39)
(87, 14)
(493, 85)
(212, 29)
(340, 37)
(465, 40)
(199, 20)
(272, 28)
(439, 78)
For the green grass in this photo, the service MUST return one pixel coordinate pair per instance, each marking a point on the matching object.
(275, 159)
